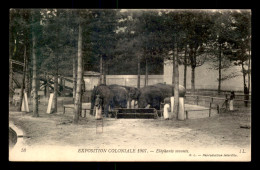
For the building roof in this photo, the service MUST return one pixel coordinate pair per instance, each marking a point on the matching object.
(91, 73)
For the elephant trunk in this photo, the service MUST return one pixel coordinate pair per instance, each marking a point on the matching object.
(92, 103)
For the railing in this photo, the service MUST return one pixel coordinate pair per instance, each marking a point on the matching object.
(219, 102)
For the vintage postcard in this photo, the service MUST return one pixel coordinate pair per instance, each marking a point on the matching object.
(137, 85)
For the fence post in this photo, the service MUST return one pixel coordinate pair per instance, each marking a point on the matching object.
(226, 101)
(218, 109)
(197, 100)
(212, 100)
(187, 114)
(209, 109)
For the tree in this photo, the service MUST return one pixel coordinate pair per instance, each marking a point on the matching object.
(74, 62)
(173, 27)
(79, 76)
(185, 63)
(23, 81)
(218, 42)
(197, 32)
(35, 23)
(19, 39)
(176, 83)
(241, 48)
(139, 41)
(102, 38)
(59, 54)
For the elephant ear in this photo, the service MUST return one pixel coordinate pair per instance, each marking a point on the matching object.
(135, 92)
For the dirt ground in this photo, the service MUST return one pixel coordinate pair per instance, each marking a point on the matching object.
(57, 129)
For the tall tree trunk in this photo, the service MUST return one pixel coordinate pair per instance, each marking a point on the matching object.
(79, 78)
(219, 69)
(82, 87)
(192, 56)
(74, 77)
(47, 86)
(146, 73)
(11, 79)
(56, 73)
(55, 92)
(249, 71)
(101, 78)
(138, 72)
(173, 72)
(34, 78)
(193, 79)
(176, 84)
(27, 79)
(23, 82)
(10, 65)
(244, 74)
(185, 68)
(105, 72)
(30, 83)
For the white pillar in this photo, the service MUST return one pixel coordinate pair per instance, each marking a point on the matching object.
(133, 104)
(50, 103)
(25, 107)
(181, 115)
(128, 104)
(231, 106)
(172, 103)
(166, 111)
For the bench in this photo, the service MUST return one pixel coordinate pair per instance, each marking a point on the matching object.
(136, 113)
(85, 107)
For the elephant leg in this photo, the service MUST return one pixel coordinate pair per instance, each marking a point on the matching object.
(106, 110)
(124, 104)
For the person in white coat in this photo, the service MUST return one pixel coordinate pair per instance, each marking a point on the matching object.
(98, 105)
(166, 111)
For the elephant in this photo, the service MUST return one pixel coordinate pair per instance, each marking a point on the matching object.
(120, 95)
(124, 94)
(153, 95)
(106, 96)
(150, 95)
(133, 93)
(168, 90)
(113, 96)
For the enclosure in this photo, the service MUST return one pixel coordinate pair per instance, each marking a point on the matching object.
(64, 65)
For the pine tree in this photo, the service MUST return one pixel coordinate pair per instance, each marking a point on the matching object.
(79, 76)
(34, 60)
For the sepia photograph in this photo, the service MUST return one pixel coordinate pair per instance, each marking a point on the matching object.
(129, 85)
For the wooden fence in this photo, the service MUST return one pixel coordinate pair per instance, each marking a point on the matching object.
(216, 102)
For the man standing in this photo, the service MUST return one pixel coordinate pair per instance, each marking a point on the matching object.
(98, 105)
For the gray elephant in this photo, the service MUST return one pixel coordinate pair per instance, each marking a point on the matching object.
(153, 95)
(120, 95)
(124, 94)
(113, 96)
(106, 96)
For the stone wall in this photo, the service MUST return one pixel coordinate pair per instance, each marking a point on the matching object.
(124, 80)
(205, 78)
